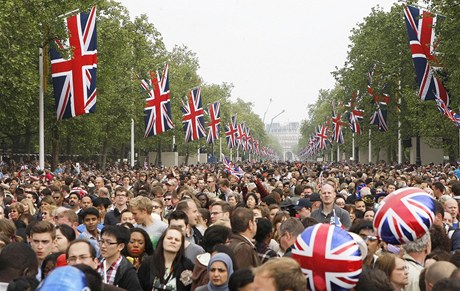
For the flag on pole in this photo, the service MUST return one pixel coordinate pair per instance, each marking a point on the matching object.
(74, 79)
(231, 131)
(157, 110)
(422, 39)
(337, 128)
(214, 122)
(193, 119)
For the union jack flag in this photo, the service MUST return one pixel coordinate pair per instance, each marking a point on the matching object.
(157, 110)
(448, 112)
(379, 118)
(74, 80)
(420, 27)
(329, 257)
(321, 136)
(231, 132)
(256, 147)
(193, 119)
(354, 118)
(404, 215)
(337, 128)
(214, 122)
(241, 137)
(232, 168)
(249, 143)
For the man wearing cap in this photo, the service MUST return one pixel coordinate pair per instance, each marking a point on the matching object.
(303, 207)
(328, 212)
(315, 201)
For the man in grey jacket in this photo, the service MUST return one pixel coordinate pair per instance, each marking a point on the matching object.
(328, 211)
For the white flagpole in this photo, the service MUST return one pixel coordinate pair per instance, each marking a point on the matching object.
(370, 146)
(41, 113)
(338, 153)
(132, 142)
(220, 149)
(353, 146)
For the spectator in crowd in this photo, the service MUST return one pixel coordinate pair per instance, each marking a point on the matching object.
(190, 208)
(436, 272)
(114, 268)
(415, 254)
(42, 240)
(289, 230)
(220, 268)
(64, 235)
(241, 280)
(121, 203)
(17, 260)
(244, 229)
(328, 211)
(279, 274)
(168, 267)
(139, 247)
(395, 269)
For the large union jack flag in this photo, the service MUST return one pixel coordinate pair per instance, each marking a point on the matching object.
(379, 118)
(405, 215)
(354, 118)
(231, 131)
(193, 118)
(214, 122)
(74, 80)
(420, 27)
(337, 128)
(329, 257)
(321, 137)
(157, 110)
(241, 136)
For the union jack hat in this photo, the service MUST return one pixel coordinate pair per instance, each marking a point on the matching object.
(405, 215)
(329, 256)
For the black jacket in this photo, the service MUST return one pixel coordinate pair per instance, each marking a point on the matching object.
(146, 276)
(126, 276)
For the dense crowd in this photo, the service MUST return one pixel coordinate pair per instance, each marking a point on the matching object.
(200, 228)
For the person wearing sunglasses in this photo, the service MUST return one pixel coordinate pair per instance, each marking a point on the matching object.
(365, 230)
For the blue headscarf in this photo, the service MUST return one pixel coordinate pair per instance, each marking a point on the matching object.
(224, 258)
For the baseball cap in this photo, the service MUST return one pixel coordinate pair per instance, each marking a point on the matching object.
(301, 203)
(314, 197)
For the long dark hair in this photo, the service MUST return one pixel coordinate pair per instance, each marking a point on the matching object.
(158, 260)
(147, 245)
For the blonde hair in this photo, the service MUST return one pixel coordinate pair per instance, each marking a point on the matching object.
(30, 204)
(141, 203)
(285, 272)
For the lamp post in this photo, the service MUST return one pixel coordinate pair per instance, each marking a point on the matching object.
(270, 127)
(268, 106)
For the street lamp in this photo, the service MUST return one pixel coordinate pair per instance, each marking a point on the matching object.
(268, 106)
(270, 127)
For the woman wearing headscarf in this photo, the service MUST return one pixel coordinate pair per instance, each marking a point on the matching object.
(220, 268)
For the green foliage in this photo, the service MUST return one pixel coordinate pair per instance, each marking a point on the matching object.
(381, 42)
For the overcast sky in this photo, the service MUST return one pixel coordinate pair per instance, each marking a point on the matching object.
(283, 50)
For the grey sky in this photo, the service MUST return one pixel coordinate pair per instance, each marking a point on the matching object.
(284, 50)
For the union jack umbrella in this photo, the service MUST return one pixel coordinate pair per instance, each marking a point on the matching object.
(231, 133)
(214, 122)
(329, 257)
(193, 119)
(157, 110)
(420, 27)
(74, 80)
(405, 215)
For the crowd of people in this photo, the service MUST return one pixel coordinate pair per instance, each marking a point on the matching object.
(201, 228)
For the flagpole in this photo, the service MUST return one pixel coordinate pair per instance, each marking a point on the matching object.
(353, 146)
(220, 149)
(370, 146)
(231, 154)
(399, 125)
(338, 153)
(41, 112)
(132, 143)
